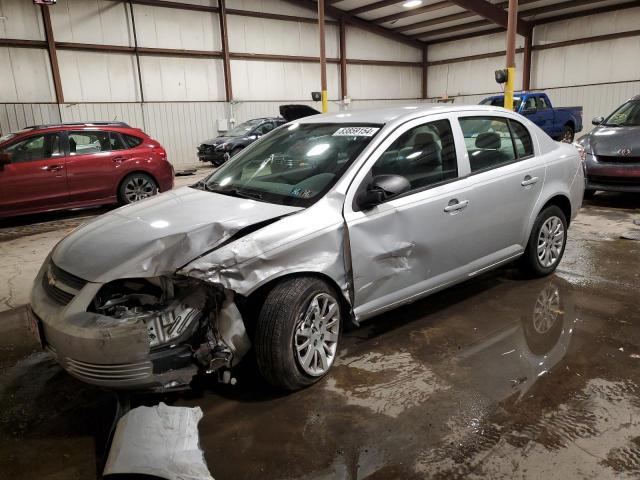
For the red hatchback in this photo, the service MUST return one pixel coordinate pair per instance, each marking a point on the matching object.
(54, 167)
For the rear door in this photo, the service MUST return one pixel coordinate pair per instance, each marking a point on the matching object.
(93, 164)
(507, 179)
(547, 117)
(36, 178)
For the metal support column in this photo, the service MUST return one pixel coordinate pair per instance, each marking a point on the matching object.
(526, 63)
(425, 59)
(225, 50)
(323, 58)
(343, 60)
(512, 25)
(53, 55)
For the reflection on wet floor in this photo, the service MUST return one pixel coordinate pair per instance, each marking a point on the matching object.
(499, 377)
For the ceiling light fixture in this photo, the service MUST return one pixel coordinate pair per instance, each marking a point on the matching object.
(412, 3)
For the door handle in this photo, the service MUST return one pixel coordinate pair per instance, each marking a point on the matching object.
(455, 206)
(529, 180)
(119, 159)
(54, 168)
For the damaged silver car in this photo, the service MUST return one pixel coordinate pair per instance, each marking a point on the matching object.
(326, 220)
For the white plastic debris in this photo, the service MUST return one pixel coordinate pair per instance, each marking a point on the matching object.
(160, 441)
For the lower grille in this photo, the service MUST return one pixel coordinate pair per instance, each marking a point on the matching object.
(602, 180)
(125, 372)
(607, 159)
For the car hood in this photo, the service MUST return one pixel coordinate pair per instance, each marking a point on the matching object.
(609, 140)
(159, 235)
(219, 140)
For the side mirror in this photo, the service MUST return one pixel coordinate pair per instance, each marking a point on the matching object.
(597, 120)
(5, 159)
(381, 188)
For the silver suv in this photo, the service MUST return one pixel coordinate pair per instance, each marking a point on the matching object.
(366, 210)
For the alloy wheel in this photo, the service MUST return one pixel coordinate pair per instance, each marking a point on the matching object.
(138, 188)
(316, 335)
(550, 242)
(547, 309)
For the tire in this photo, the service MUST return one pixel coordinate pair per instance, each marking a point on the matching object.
(286, 319)
(531, 263)
(589, 194)
(135, 187)
(543, 327)
(568, 134)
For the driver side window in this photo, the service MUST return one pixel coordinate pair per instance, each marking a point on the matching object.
(264, 128)
(425, 155)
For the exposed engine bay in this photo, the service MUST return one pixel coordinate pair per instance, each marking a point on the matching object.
(176, 312)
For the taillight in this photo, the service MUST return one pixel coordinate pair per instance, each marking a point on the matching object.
(581, 151)
(160, 151)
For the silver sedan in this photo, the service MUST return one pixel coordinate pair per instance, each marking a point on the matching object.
(330, 219)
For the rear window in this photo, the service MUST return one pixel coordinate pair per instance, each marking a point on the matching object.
(131, 141)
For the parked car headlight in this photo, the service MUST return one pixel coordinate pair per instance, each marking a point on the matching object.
(581, 151)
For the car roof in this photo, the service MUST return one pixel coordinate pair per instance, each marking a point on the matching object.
(388, 114)
(96, 123)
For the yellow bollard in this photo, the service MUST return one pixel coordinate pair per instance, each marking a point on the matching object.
(508, 88)
(325, 102)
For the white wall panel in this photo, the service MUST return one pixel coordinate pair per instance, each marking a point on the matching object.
(471, 46)
(261, 35)
(92, 21)
(16, 116)
(271, 80)
(173, 28)
(23, 20)
(121, 112)
(601, 24)
(182, 79)
(98, 77)
(25, 75)
(468, 78)
(272, 6)
(373, 81)
(365, 45)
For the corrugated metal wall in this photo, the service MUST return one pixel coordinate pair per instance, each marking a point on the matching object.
(184, 96)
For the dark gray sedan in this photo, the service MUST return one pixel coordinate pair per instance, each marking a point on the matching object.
(611, 151)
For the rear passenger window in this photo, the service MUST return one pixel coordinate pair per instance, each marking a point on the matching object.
(116, 142)
(132, 141)
(522, 139)
(488, 141)
(88, 141)
(425, 155)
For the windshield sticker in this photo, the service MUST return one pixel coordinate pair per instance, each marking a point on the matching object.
(356, 132)
(300, 193)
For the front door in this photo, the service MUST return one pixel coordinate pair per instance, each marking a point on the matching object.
(36, 178)
(416, 242)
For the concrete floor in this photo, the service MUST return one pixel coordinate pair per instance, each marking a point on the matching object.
(459, 385)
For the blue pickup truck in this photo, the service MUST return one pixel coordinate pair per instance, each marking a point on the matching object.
(559, 123)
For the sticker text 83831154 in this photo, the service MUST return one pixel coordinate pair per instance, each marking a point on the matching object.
(356, 132)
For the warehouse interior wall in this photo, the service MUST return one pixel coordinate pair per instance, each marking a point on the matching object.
(184, 95)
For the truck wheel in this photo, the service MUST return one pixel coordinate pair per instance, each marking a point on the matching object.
(546, 243)
(297, 332)
(567, 134)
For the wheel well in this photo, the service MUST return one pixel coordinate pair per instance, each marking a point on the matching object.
(250, 306)
(131, 173)
(570, 124)
(561, 202)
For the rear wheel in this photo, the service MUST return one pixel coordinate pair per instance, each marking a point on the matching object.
(297, 332)
(567, 134)
(546, 243)
(135, 187)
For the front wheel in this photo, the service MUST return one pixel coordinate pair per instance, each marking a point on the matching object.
(567, 134)
(135, 187)
(297, 332)
(546, 243)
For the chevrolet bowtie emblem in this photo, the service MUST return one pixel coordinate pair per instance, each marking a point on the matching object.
(625, 152)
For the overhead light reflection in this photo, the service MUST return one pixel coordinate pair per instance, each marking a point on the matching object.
(318, 149)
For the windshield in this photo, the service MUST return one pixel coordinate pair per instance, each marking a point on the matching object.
(244, 128)
(628, 115)
(294, 165)
(499, 102)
